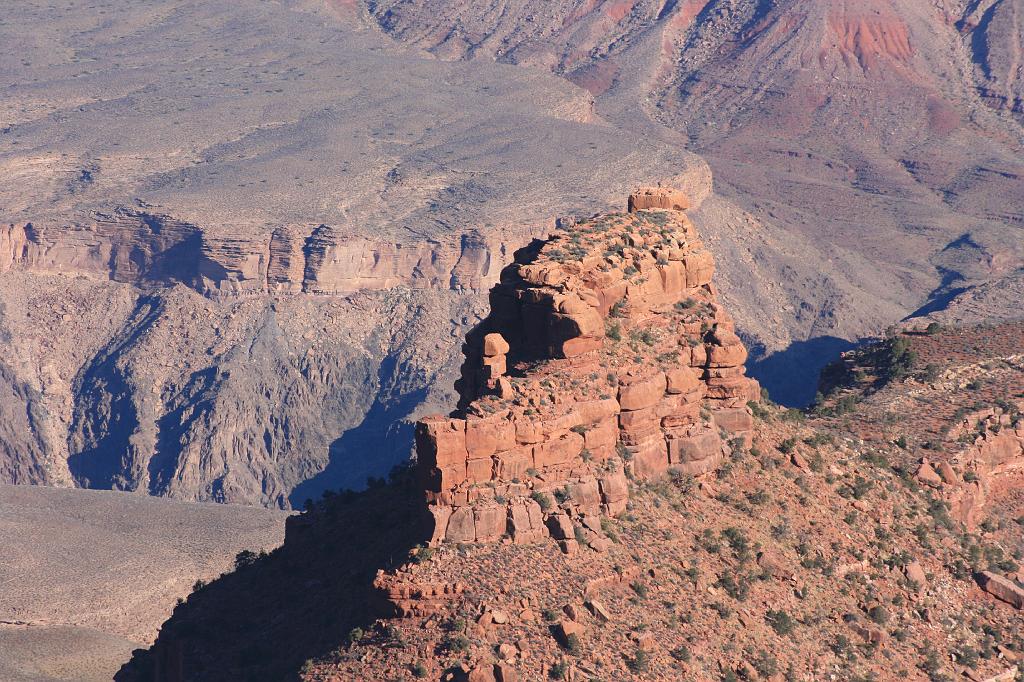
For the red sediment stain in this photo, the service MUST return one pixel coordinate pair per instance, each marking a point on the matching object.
(867, 40)
(582, 11)
(617, 10)
(685, 12)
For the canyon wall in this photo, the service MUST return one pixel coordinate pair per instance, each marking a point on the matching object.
(605, 353)
(141, 248)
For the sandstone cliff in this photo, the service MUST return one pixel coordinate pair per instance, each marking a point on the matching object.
(605, 352)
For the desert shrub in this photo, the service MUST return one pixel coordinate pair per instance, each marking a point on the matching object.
(738, 542)
(765, 664)
(894, 358)
(419, 671)
(930, 373)
(781, 622)
(760, 412)
(456, 643)
(423, 554)
(573, 644)
(879, 614)
(845, 405)
(793, 415)
(681, 653)
(639, 662)
(737, 589)
(541, 499)
(245, 558)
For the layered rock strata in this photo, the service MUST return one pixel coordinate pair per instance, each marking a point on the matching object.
(141, 248)
(606, 352)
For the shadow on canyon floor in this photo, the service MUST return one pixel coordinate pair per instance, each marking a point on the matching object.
(275, 612)
(381, 441)
(791, 376)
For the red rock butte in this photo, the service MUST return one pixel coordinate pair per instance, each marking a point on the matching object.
(605, 354)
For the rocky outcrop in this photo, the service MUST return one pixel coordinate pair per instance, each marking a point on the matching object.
(410, 598)
(994, 454)
(605, 353)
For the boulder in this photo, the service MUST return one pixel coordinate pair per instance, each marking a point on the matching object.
(486, 436)
(440, 441)
(869, 634)
(915, 574)
(572, 348)
(733, 420)
(440, 514)
(614, 488)
(636, 394)
(461, 526)
(490, 523)
(483, 673)
(650, 458)
(682, 380)
(512, 464)
(506, 673)
(693, 448)
(1001, 588)
(479, 470)
(927, 475)
(594, 411)
(558, 451)
(700, 268)
(598, 610)
(561, 527)
(495, 344)
(566, 628)
(638, 420)
(526, 521)
(732, 355)
(601, 435)
(585, 493)
(946, 473)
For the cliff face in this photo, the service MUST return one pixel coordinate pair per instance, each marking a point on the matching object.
(605, 352)
(142, 248)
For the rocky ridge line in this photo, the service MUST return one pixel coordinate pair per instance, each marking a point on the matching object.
(141, 248)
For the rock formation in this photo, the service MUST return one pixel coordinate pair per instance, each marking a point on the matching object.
(993, 453)
(605, 353)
